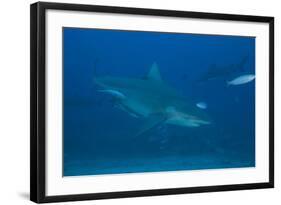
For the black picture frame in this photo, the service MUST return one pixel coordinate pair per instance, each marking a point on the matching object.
(38, 101)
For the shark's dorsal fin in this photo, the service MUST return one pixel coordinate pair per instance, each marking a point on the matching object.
(154, 73)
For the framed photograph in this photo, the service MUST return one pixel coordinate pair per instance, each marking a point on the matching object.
(129, 102)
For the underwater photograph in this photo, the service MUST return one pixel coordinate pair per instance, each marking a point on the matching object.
(146, 101)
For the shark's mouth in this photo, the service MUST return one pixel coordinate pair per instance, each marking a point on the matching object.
(178, 118)
(187, 122)
(198, 122)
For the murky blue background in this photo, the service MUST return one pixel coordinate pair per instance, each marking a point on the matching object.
(98, 138)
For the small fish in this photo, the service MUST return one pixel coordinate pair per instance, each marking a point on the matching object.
(202, 105)
(241, 79)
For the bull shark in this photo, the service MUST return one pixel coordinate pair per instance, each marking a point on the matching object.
(152, 99)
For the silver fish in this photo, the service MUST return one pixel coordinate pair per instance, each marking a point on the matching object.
(202, 105)
(241, 79)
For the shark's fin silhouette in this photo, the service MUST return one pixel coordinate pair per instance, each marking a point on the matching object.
(115, 93)
(127, 109)
(151, 122)
(154, 73)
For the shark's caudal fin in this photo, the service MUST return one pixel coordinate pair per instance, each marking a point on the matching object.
(154, 73)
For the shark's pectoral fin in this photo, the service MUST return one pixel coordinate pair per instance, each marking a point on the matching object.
(115, 93)
(151, 122)
(127, 109)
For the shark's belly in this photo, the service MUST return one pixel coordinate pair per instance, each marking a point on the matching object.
(137, 107)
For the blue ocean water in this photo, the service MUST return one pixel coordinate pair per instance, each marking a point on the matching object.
(99, 138)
